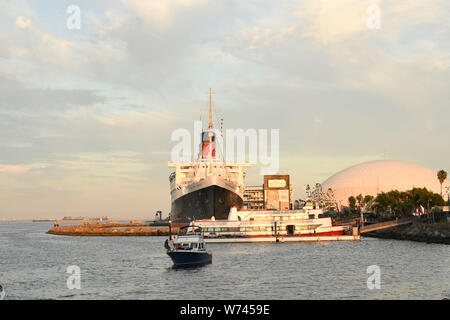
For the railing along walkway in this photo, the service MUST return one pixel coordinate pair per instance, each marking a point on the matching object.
(385, 225)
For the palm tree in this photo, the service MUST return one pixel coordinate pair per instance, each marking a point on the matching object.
(442, 175)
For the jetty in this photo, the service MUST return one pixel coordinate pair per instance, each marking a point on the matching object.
(110, 229)
(384, 225)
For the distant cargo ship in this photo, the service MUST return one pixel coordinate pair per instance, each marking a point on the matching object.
(208, 187)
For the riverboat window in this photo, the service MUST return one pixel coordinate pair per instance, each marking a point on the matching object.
(242, 228)
(311, 227)
(304, 227)
(311, 216)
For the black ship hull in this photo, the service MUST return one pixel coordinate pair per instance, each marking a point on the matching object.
(213, 201)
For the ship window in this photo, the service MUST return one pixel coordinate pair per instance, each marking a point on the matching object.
(311, 227)
(304, 227)
(311, 216)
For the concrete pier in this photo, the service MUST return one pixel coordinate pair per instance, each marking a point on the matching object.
(385, 225)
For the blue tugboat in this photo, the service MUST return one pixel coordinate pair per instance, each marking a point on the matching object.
(188, 248)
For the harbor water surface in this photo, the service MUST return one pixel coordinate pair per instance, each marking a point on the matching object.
(33, 266)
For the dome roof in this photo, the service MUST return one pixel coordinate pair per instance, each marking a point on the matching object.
(369, 178)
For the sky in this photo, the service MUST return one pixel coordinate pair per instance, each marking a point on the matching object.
(86, 115)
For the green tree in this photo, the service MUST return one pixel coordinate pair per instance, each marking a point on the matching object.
(368, 201)
(360, 199)
(441, 175)
(352, 202)
(405, 202)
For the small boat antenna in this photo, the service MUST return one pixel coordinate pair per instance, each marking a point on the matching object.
(170, 228)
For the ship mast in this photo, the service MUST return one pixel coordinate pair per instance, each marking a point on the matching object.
(210, 132)
(210, 111)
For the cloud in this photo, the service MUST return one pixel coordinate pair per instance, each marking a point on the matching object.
(333, 21)
(23, 22)
(91, 112)
(13, 169)
(163, 13)
(18, 97)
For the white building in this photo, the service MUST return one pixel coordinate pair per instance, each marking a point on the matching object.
(373, 177)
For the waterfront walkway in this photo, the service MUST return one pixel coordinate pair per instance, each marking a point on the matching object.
(384, 225)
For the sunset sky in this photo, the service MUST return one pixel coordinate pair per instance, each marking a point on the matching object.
(86, 114)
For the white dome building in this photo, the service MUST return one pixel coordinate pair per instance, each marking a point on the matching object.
(373, 177)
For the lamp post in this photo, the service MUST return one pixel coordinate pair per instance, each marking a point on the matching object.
(362, 217)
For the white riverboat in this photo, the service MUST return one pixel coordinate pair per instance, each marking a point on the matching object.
(305, 222)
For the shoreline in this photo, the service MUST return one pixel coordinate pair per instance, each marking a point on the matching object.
(438, 233)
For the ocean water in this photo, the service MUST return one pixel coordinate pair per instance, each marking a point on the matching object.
(33, 265)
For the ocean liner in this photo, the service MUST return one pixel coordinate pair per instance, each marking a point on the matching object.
(207, 187)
